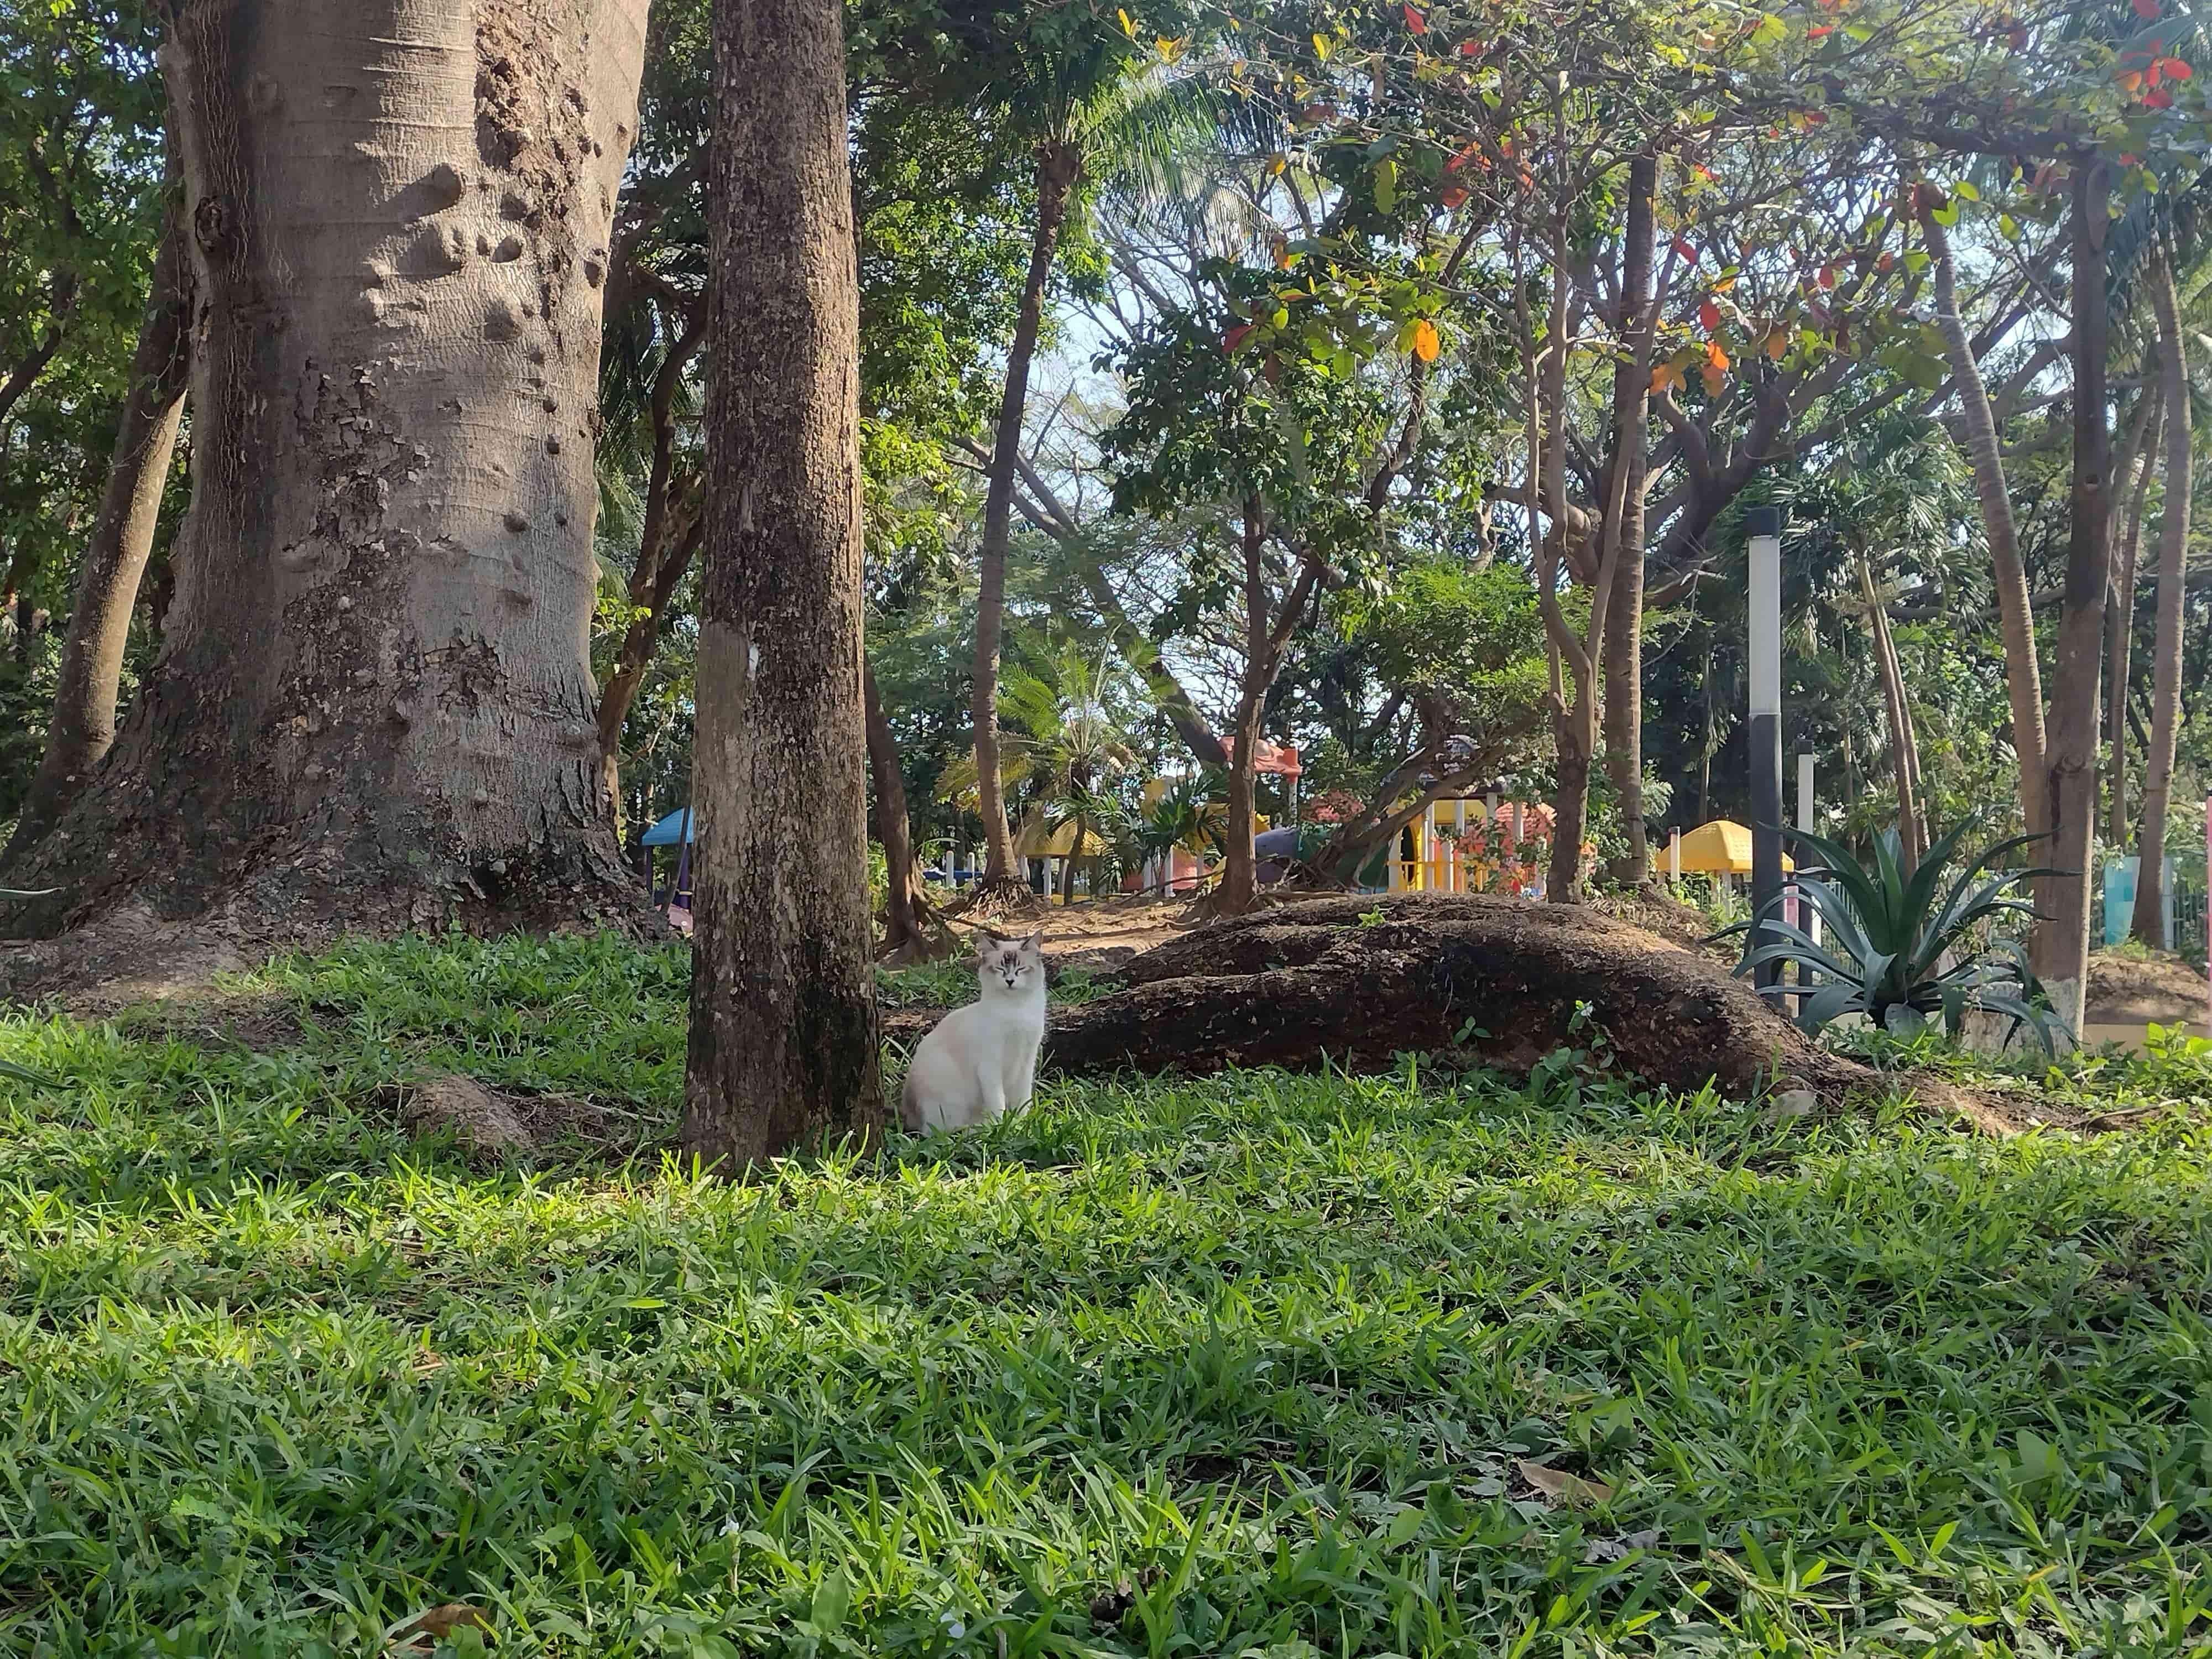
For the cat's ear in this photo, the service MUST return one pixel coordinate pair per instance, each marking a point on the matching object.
(1034, 944)
(985, 941)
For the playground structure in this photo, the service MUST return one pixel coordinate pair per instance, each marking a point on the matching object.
(1463, 843)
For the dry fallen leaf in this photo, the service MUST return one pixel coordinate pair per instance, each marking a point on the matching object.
(424, 1630)
(1559, 1485)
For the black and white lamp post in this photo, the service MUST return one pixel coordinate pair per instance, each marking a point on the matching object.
(1765, 526)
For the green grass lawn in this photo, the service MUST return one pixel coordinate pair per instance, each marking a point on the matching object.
(1254, 1366)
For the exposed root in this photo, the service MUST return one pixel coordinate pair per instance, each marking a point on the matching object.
(998, 897)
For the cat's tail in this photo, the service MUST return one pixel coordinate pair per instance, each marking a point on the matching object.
(909, 1104)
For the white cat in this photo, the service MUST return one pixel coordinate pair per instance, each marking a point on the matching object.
(980, 1061)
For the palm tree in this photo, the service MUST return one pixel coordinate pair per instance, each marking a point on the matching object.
(1092, 110)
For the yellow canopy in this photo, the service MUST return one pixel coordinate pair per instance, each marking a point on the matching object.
(1721, 847)
(1038, 841)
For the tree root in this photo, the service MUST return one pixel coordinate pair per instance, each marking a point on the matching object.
(1495, 982)
(1000, 896)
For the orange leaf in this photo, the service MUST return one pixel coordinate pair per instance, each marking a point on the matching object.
(1715, 378)
(2131, 81)
(1426, 342)
(1715, 357)
(1709, 316)
(1778, 345)
(1414, 20)
(1454, 196)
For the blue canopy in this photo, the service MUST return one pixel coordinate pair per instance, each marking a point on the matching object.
(676, 826)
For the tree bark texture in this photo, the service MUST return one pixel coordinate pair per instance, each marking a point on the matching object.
(2023, 674)
(1623, 623)
(783, 1050)
(91, 670)
(2120, 621)
(373, 703)
(1057, 168)
(2149, 924)
(2062, 960)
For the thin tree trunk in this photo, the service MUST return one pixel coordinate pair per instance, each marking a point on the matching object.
(1239, 878)
(1057, 166)
(2120, 622)
(640, 642)
(904, 909)
(1705, 749)
(2149, 922)
(664, 551)
(783, 1048)
(373, 708)
(1899, 716)
(2063, 960)
(2023, 674)
(91, 669)
(1624, 624)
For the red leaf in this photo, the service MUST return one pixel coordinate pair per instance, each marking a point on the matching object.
(2159, 100)
(1709, 316)
(2146, 10)
(1820, 31)
(1469, 48)
(2177, 70)
(1414, 20)
(1453, 197)
(1828, 276)
(1682, 246)
(1236, 336)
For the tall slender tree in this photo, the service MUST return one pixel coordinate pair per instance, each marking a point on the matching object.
(2062, 937)
(783, 1048)
(2149, 922)
(83, 728)
(1092, 110)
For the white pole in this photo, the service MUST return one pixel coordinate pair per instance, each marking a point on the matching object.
(1764, 526)
(1674, 856)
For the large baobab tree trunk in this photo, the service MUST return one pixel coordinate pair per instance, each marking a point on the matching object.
(1057, 166)
(2150, 921)
(2015, 616)
(783, 1003)
(2120, 621)
(2062, 959)
(83, 728)
(373, 708)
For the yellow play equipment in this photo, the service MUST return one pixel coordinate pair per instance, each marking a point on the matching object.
(1434, 855)
(1722, 848)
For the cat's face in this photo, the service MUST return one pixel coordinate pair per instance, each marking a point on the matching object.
(1010, 962)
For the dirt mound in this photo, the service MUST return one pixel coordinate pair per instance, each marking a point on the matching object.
(2131, 990)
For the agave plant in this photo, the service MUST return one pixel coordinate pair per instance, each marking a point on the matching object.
(1904, 945)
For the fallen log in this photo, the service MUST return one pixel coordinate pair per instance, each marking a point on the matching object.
(1356, 981)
